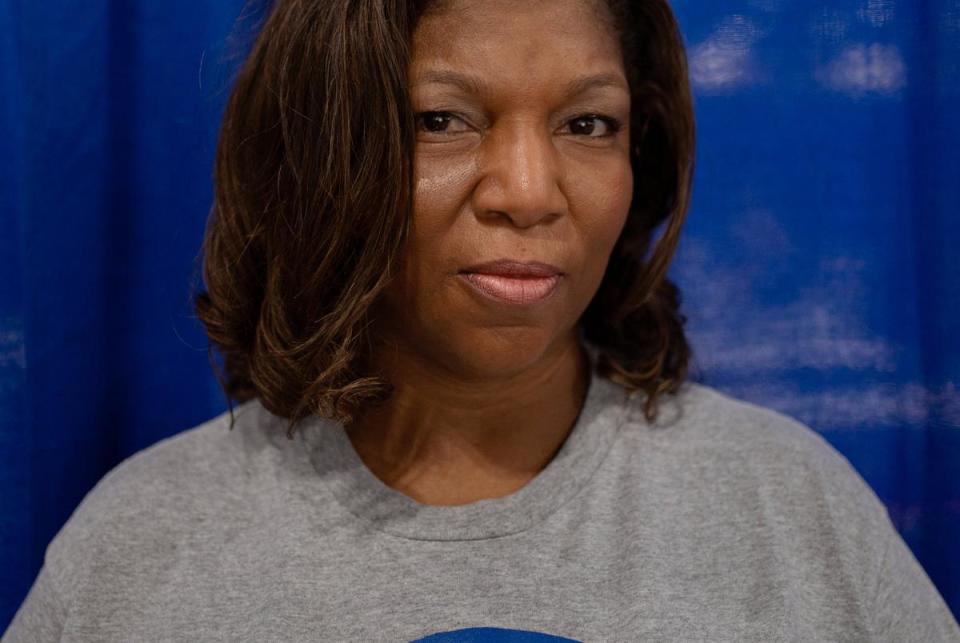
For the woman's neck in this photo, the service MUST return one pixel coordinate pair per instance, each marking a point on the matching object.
(442, 441)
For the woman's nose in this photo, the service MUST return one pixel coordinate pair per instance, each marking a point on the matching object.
(520, 176)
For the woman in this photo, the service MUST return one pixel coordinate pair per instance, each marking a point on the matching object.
(432, 272)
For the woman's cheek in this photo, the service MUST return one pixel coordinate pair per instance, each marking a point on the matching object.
(601, 199)
(440, 177)
(442, 187)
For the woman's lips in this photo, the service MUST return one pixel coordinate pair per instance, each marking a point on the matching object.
(511, 289)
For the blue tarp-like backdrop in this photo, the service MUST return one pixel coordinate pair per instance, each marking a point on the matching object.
(819, 265)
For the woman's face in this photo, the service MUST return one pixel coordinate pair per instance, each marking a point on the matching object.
(522, 153)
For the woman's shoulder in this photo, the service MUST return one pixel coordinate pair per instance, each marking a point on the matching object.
(702, 413)
(700, 416)
(206, 456)
(735, 440)
(713, 452)
(749, 476)
(162, 493)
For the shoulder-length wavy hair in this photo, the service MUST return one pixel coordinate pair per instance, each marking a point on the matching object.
(313, 191)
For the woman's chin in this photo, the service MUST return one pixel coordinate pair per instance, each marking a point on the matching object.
(500, 353)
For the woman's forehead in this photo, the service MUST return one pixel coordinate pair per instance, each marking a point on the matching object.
(499, 39)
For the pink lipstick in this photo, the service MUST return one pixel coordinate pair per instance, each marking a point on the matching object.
(513, 282)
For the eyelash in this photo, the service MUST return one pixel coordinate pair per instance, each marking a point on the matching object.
(613, 124)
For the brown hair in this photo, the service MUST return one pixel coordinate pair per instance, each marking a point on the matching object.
(313, 190)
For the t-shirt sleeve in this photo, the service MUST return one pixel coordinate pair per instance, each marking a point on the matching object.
(906, 603)
(41, 615)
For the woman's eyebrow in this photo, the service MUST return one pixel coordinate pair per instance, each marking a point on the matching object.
(472, 85)
(584, 84)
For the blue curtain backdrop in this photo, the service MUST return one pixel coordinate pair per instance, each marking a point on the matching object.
(818, 266)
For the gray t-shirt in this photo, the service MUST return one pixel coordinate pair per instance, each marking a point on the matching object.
(722, 521)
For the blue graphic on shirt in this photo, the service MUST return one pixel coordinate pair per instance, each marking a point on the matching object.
(492, 635)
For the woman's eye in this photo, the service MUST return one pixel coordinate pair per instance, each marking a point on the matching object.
(437, 122)
(594, 126)
(589, 125)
